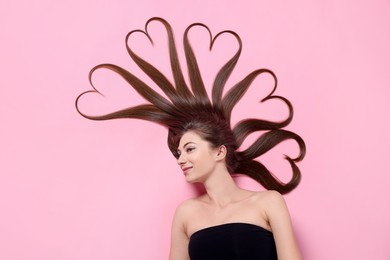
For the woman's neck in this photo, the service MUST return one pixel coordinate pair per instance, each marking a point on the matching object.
(222, 190)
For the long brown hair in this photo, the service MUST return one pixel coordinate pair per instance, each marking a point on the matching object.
(191, 109)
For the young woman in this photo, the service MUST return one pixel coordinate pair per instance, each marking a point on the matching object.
(226, 222)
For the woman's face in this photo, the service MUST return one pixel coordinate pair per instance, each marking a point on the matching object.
(197, 158)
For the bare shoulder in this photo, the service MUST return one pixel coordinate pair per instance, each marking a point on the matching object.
(190, 204)
(271, 201)
(278, 217)
(179, 234)
(269, 197)
(186, 208)
(273, 196)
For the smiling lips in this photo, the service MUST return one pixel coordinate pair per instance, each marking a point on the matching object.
(185, 169)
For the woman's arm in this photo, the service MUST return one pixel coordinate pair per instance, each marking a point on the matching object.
(280, 222)
(179, 239)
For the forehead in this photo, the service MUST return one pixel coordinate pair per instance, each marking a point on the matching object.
(190, 136)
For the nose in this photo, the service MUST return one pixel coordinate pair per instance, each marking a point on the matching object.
(181, 159)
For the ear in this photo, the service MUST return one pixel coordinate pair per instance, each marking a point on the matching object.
(221, 153)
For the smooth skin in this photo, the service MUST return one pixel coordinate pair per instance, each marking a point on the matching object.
(224, 202)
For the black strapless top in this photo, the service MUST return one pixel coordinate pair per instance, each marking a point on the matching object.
(232, 241)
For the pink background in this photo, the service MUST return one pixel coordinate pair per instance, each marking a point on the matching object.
(71, 188)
